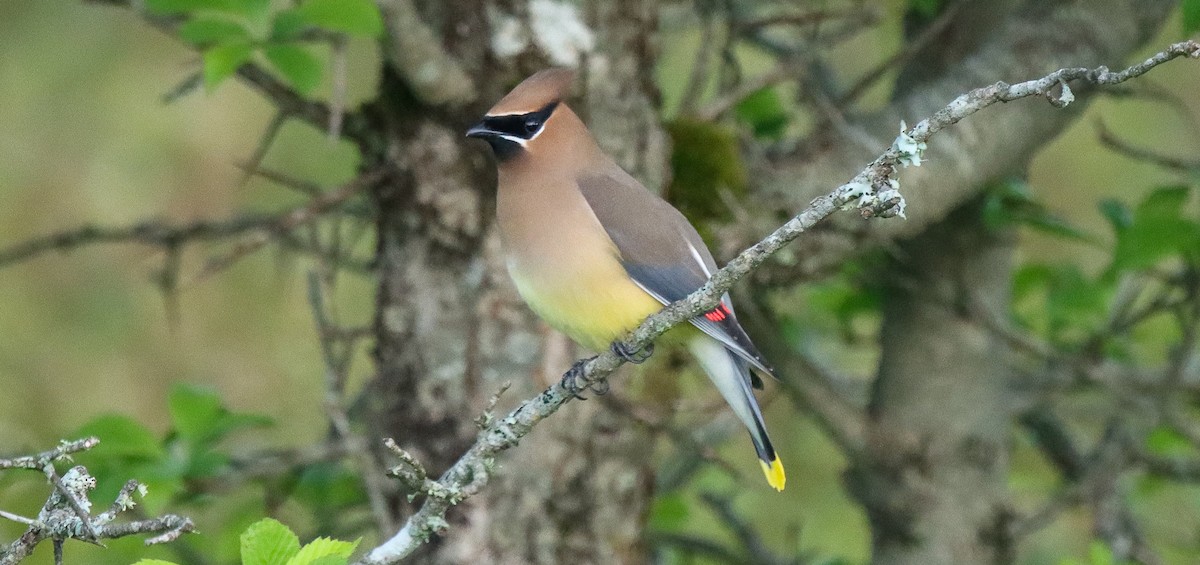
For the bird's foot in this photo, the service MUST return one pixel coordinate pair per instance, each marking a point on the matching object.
(620, 349)
(570, 380)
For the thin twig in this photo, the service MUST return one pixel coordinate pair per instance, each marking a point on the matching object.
(72, 501)
(250, 168)
(335, 368)
(289, 221)
(66, 513)
(1123, 147)
(160, 234)
(338, 78)
(40, 460)
(922, 40)
(755, 547)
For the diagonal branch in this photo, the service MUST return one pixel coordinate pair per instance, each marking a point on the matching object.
(872, 191)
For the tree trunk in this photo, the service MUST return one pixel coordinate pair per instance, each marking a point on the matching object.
(451, 329)
(933, 479)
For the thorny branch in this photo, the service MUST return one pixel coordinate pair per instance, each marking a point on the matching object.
(67, 512)
(873, 191)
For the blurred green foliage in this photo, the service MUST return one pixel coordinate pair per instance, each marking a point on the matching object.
(705, 160)
(85, 141)
(189, 453)
(1191, 16)
(231, 32)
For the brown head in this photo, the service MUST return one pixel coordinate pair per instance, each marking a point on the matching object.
(533, 117)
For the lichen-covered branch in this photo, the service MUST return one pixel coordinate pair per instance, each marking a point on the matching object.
(873, 191)
(40, 460)
(67, 512)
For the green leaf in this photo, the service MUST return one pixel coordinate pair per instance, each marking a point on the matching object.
(1163, 202)
(1159, 230)
(254, 9)
(355, 17)
(705, 160)
(1118, 214)
(202, 31)
(1163, 440)
(183, 6)
(268, 542)
(322, 548)
(223, 60)
(925, 8)
(1011, 202)
(1100, 554)
(329, 560)
(765, 113)
(199, 416)
(121, 436)
(1191, 16)
(329, 486)
(301, 68)
(670, 512)
(195, 411)
(288, 24)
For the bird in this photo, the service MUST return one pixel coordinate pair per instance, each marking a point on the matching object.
(593, 252)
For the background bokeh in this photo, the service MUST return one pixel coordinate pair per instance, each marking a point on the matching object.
(85, 138)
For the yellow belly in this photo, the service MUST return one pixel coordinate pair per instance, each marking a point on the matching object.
(593, 305)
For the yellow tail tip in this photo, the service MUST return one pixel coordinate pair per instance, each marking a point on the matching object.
(774, 473)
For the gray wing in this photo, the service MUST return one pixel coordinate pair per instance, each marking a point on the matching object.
(663, 253)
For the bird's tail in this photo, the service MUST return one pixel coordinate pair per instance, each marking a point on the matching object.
(732, 376)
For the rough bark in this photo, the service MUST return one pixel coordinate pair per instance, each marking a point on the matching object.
(451, 329)
(933, 476)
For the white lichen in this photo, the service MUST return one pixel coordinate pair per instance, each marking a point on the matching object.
(125, 501)
(909, 149)
(1067, 96)
(893, 192)
(858, 190)
(560, 32)
(509, 38)
(869, 198)
(555, 27)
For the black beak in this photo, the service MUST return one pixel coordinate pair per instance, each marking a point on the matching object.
(481, 131)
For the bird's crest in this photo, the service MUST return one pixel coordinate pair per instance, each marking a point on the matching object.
(545, 87)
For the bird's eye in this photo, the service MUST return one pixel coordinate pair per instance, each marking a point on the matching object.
(532, 125)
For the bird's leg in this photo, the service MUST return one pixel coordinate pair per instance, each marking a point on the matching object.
(620, 349)
(570, 378)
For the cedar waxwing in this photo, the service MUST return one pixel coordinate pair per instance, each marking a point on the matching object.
(594, 253)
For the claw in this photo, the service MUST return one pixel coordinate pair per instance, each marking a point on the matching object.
(621, 350)
(601, 387)
(570, 379)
